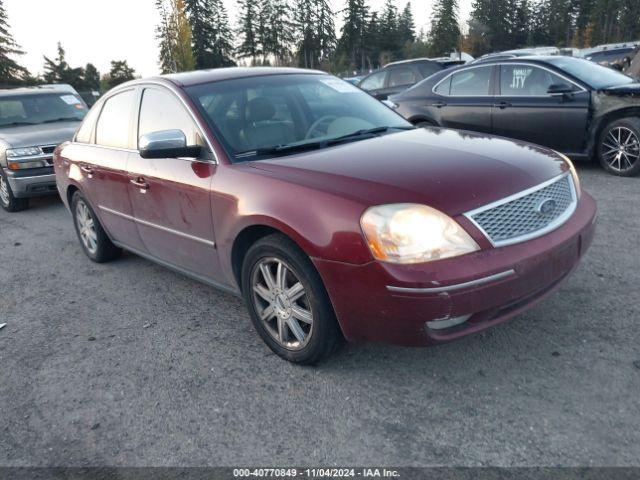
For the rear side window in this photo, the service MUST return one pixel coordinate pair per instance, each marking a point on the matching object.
(401, 76)
(428, 69)
(444, 87)
(374, 82)
(472, 82)
(113, 125)
(161, 110)
(86, 129)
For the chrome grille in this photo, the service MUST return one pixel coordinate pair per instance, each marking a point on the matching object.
(524, 217)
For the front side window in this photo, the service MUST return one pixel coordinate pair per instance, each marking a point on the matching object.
(471, 82)
(526, 80)
(113, 126)
(86, 129)
(401, 76)
(32, 109)
(254, 115)
(590, 73)
(161, 110)
(374, 81)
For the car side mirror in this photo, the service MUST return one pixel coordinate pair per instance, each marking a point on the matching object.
(560, 89)
(166, 144)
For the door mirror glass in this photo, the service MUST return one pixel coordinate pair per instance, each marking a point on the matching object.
(166, 144)
(559, 89)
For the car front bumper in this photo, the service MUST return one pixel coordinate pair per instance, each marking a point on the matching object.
(32, 182)
(392, 303)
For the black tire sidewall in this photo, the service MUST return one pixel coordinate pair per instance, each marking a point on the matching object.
(630, 123)
(324, 334)
(15, 204)
(105, 250)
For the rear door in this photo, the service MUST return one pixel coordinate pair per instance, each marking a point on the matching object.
(525, 111)
(171, 196)
(464, 99)
(100, 159)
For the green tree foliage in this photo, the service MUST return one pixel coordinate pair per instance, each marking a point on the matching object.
(10, 71)
(174, 35)
(445, 32)
(91, 77)
(120, 72)
(316, 36)
(212, 42)
(353, 38)
(248, 23)
(59, 71)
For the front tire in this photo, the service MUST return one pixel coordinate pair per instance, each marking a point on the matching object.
(7, 201)
(287, 301)
(93, 239)
(619, 147)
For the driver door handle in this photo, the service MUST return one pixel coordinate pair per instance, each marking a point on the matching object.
(502, 105)
(86, 169)
(140, 183)
(440, 104)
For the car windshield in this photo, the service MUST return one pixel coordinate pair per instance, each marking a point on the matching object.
(17, 110)
(590, 73)
(262, 117)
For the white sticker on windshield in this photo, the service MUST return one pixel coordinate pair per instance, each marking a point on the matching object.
(340, 85)
(70, 100)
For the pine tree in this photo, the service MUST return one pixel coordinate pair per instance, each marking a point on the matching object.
(211, 35)
(222, 38)
(277, 30)
(489, 28)
(353, 36)
(445, 32)
(390, 42)
(248, 30)
(91, 77)
(120, 72)
(316, 34)
(10, 71)
(406, 25)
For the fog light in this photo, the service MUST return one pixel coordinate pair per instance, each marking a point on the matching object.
(447, 322)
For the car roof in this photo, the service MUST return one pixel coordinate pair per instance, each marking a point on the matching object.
(413, 60)
(197, 77)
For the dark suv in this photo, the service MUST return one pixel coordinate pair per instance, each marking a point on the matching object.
(396, 77)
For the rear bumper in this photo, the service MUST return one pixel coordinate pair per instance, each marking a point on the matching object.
(32, 183)
(392, 303)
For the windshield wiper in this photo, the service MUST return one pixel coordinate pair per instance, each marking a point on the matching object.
(62, 119)
(294, 147)
(17, 124)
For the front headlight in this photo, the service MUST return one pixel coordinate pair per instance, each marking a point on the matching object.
(23, 152)
(413, 233)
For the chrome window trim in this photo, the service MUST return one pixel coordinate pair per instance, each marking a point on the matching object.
(159, 227)
(433, 89)
(538, 233)
(457, 286)
(546, 95)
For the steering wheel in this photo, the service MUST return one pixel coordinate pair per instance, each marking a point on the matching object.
(313, 129)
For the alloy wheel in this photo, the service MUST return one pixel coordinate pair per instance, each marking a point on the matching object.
(621, 149)
(4, 192)
(86, 227)
(281, 303)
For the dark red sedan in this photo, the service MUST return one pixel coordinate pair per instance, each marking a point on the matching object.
(330, 214)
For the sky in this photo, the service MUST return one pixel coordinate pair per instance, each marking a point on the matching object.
(99, 31)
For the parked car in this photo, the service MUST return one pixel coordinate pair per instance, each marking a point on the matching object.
(571, 105)
(33, 121)
(521, 52)
(396, 77)
(328, 212)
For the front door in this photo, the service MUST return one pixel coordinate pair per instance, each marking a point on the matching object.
(171, 196)
(525, 111)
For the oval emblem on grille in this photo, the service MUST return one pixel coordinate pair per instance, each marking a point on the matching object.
(546, 206)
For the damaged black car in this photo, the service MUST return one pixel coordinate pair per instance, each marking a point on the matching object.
(574, 106)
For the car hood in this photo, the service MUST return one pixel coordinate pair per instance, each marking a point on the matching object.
(631, 89)
(35, 135)
(453, 171)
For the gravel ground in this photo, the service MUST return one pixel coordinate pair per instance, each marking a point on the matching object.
(130, 364)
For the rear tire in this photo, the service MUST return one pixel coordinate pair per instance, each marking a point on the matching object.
(7, 201)
(287, 301)
(93, 239)
(619, 147)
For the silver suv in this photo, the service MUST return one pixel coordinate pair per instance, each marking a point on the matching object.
(33, 121)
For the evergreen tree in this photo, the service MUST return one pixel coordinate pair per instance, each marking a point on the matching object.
(91, 77)
(316, 36)
(353, 35)
(489, 26)
(248, 30)
(222, 38)
(59, 71)
(445, 32)
(372, 41)
(211, 35)
(406, 25)
(120, 72)
(390, 42)
(10, 71)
